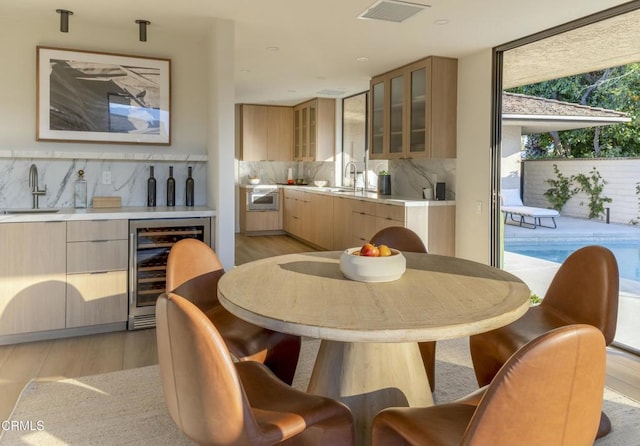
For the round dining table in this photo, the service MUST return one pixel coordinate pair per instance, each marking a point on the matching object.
(369, 357)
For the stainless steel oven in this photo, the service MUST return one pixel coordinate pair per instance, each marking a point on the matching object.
(263, 198)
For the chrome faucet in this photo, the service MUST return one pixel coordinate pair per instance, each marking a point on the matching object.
(348, 172)
(33, 184)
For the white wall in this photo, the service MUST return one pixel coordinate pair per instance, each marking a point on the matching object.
(18, 41)
(221, 138)
(510, 157)
(473, 171)
(202, 80)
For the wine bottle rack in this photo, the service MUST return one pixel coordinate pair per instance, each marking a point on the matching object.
(151, 242)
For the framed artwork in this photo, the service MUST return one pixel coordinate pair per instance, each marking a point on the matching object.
(85, 96)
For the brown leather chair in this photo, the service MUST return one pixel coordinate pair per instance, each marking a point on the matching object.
(215, 401)
(193, 271)
(549, 392)
(583, 291)
(404, 239)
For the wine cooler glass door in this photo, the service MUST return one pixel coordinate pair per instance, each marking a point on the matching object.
(151, 241)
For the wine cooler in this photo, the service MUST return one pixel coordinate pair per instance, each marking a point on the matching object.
(150, 242)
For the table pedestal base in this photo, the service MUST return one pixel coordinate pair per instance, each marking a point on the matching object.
(369, 377)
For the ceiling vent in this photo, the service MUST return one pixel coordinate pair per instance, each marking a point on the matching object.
(329, 92)
(392, 10)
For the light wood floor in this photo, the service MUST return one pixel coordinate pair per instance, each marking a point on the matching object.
(88, 355)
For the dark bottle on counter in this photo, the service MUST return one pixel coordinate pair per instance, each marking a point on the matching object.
(189, 190)
(171, 188)
(151, 188)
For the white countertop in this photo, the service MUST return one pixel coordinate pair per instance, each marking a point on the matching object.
(365, 195)
(133, 212)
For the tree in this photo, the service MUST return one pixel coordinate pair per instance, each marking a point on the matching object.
(615, 88)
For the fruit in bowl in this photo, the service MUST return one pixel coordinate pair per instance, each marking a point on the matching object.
(371, 250)
(368, 263)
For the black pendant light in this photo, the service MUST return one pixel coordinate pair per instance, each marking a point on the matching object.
(142, 24)
(64, 19)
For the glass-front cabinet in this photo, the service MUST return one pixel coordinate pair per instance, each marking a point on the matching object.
(413, 111)
(377, 117)
(396, 115)
(418, 111)
(314, 130)
(297, 134)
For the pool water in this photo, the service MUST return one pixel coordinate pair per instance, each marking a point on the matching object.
(627, 253)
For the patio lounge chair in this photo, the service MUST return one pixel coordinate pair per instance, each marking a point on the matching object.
(513, 208)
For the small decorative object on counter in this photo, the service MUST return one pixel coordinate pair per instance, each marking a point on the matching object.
(189, 190)
(80, 191)
(290, 179)
(440, 191)
(384, 183)
(171, 188)
(151, 189)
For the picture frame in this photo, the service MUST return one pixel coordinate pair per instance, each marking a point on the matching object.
(85, 96)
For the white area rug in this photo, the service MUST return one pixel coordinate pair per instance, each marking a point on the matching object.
(127, 407)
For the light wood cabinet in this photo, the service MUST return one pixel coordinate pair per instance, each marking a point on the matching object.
(259, 222)
(265, 132)
(314, 130)
(413, 111)
(97, 261)
(32, 277)
(279, 133)
(339, 222)
(292, 217)
(96, 298)
(297, 216)
(321, 220)
(363, 221)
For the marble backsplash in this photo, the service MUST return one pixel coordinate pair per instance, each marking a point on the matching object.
(128, 181)
(408, 176)
(273, 172)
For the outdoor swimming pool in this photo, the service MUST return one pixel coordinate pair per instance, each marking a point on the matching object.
(627, 253)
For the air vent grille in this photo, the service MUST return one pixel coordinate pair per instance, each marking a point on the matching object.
(329, 92)
(392, 10)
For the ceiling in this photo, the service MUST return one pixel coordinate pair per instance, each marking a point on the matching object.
(287, 51)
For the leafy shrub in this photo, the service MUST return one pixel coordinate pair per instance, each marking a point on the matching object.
(561, 189)
(593, 185)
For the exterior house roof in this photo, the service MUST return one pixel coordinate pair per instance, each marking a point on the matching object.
(540, 115)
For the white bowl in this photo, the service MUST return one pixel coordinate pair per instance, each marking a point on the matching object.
(254, 180)
(372, 269)
(320, 183)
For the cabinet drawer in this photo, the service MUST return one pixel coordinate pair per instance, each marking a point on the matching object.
(263, 221)
(390, 212)
(363, 227)
(80, 231)
(94, 299)
(364, 207)
(86, 257)
(292, 194)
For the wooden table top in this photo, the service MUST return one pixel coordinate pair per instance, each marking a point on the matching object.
(438, 297)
